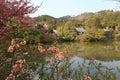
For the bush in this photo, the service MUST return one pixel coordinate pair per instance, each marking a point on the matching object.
(95, 35)
(48, 38)
(33, 36)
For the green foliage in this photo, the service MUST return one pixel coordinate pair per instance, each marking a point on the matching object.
(45, 19)
(47, 38)
(94, 35)
(67, 31)
(17, 31)
(33, 36)
(103, 19)
(99, 34)
(64, 25)
(94, 22)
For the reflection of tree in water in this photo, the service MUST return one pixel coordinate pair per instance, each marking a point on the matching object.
(100, 51)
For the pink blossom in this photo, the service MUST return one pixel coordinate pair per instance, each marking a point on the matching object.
(10, 49)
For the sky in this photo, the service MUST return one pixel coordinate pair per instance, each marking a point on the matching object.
(59, 8)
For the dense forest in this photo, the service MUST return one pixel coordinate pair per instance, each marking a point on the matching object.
(99, 26)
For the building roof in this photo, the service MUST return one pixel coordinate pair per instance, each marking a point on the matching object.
(80, 29)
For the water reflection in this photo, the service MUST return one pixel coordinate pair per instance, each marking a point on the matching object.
(78, 60)
(100, 51)
(108, 64)
(108, 54)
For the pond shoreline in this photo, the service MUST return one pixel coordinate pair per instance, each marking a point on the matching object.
(104, 51)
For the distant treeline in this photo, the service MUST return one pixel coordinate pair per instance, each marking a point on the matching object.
(99, 26)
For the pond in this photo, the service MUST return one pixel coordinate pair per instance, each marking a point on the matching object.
(108, 53)
(109, 64)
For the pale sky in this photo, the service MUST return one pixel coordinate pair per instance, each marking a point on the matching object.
(59, 8)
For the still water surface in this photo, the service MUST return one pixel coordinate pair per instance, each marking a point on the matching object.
(108, 64)
(108, 54)
(100, 51)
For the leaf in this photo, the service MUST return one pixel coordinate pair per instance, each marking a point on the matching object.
(118, 69)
